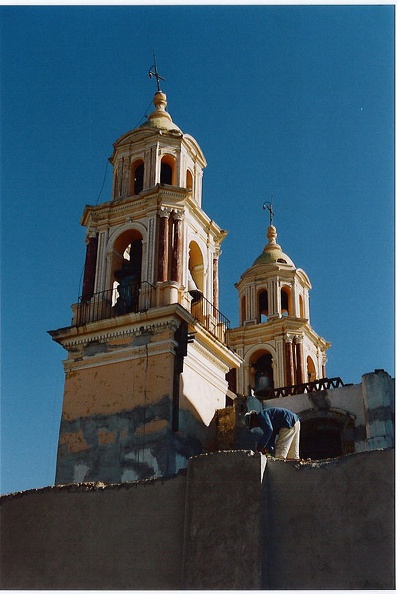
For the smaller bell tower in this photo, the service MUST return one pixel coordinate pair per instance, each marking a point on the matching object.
(278, 346)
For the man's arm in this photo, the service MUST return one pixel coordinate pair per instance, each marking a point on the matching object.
(266, 428)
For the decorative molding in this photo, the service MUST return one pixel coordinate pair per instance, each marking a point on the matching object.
(206, 354)
(116, 333)
(164, 212)
(128, 353)
(178, 215)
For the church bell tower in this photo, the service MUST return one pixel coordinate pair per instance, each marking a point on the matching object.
(147, 353)
(278, 346)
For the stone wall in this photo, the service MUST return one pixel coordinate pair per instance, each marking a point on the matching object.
(234, 520)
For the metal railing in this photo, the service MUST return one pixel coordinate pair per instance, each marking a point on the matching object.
(209, 316)
(140, 296)
(120, 300)
(315, 386)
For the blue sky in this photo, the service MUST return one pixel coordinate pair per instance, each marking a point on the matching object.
(290, 101)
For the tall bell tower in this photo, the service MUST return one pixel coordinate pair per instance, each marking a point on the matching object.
(278, 346)
(147, 353)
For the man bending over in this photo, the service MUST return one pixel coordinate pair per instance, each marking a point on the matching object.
(276, 422)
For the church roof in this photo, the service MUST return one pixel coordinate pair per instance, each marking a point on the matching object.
(272, 253)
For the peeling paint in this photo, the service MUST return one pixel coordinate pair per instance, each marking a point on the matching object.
(137, 443)
(156, 426)
(74, 441)
(80, 472)
(106, 437)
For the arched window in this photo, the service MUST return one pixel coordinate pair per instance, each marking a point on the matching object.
(263, 306)
(263, 376)
(137, 177)
(167, 170)
(126, 266)
(285, 301)
(196, 274)
(311, 373)
(189, 180)
(301, 306)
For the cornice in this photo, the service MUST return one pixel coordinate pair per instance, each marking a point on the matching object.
(148, 200)
(119, 326)
(117, 333)
(128, 352)
(209, 356)
(244, 335)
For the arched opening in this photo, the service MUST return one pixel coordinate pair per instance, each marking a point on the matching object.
(126, 267)
(301, 306)
(263, 376)
(195, 265)
(311, 372)
(137, 177)
(195, 278)
(320, 438)
(263, 306)
(285, 301)
(167, 170)
(243, 309)
(189, 180)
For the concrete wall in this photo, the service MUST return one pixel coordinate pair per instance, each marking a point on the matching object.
(128, 536)
(228, 523)
(222, 548)
(330, 525)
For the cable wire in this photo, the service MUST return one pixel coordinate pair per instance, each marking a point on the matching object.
(103, 182)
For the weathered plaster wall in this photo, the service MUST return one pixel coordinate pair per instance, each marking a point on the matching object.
(99, 389)
(124, 446)
(327, 525)
(121, 402)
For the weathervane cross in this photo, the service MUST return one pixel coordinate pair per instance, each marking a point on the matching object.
(268, 206)
(153, 71)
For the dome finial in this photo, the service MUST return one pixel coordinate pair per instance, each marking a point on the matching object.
(153, 71)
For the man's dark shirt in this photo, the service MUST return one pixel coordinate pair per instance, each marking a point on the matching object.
(271, 420)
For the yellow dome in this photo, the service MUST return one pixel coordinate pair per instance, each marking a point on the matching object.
(272, 253)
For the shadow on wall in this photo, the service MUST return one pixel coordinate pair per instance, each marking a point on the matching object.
(130, 445)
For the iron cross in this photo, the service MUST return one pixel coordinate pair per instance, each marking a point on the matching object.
(268, 206)
(153, 71)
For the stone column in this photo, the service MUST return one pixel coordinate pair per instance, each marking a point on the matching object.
(176, 257)
(90, 265)
(289, 365)
(299, 359)
(163, 244)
